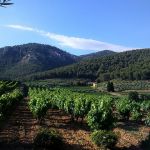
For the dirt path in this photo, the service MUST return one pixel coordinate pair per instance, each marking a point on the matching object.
(131, 135)
(20, 127)
(75, 135)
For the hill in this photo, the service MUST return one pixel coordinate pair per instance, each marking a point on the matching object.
(17, 61)
(98, 54)
(131, 65)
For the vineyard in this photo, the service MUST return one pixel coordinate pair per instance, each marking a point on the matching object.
(126, 85)
(75, 118)
(74, 103)
(10, 94)
(100, 112)
(58, 82)
(93, 108)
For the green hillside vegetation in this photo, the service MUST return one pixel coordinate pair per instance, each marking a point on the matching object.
(21, 60)
(123, 85)
(129, 65)
(98, 54)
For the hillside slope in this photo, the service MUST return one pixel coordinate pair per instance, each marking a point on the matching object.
(98, 54)
(25, 59)
(132, 65)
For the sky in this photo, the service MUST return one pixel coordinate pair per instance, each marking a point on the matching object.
(77, 26)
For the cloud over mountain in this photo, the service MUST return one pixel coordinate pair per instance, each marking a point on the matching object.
(73, 42)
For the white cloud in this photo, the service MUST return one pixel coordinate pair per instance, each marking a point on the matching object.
(20, 27)
(73, 42)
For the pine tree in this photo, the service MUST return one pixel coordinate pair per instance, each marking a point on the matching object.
(110, 87)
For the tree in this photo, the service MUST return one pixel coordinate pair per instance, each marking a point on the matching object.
(110, 87)
(4, 3)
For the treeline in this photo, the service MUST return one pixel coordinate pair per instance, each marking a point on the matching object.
(130, 65)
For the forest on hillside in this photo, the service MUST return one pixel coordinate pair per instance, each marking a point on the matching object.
(129, 65)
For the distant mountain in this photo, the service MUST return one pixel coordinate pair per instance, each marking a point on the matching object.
(130, 65)
(21, 60)
(39, 61)
(98, 54)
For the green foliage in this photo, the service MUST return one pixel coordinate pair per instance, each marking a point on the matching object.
(133, 96)
(82, 106)
(100, 111)
(136, 115)
(122, 85)
(104, 138)
(77, 105)
(145, 105)
(8, 99)
(98, 54)
(147, 119)
(10, 95)
(74, 103)
(39, 102)
(130, 65)
(100, 116)
(110, 87)
(144, 96)
(48, 138)
(24, 60)
(21, 60)
(123, 107)
(133, 110)
(6, 86)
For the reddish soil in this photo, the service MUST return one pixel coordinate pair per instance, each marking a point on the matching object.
(131, 135)
(22, 126)
(75, 135)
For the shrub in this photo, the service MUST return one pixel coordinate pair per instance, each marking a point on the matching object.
(133, 96)
(123, 107)
(147, 119)
(104, 138)
(144, 96)
(145, 105)
(135, 115)
(100, 120)
(101, 115)
(110, 87)
(47, 138)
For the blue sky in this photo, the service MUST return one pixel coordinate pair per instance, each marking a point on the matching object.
(77, 26)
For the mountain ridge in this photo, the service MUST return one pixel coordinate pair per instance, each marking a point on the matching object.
(41, 61)
(129, 65)
(98, 54)
(32, 57)
(25, 59)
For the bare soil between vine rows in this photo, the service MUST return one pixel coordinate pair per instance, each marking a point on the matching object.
(20, 128)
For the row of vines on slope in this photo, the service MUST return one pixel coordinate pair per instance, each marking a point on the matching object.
(78, 105)
(6, 86)
(99, 111)
(10, 94)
